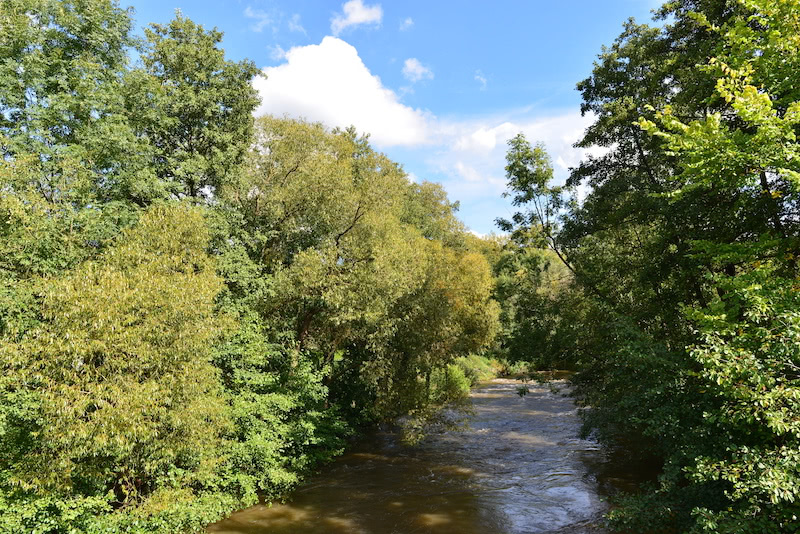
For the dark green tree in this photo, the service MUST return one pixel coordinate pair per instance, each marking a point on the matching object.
(685, 249)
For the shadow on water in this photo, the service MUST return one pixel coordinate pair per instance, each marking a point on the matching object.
(518, 467)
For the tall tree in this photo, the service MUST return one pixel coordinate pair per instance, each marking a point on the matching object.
(747, 332)
(111, 397)
(204, 102)
(62, 98)
(686, 249)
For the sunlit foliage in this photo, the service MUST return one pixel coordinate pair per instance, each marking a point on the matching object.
(195, 312)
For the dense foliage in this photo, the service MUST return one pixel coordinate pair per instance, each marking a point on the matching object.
(683, 262)
(196, 307)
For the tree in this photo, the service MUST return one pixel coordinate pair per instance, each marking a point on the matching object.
(204, 105)
(62, 99)
(685, 247)
(530, 173)
(748, 329)
(369, 272)
(112, 398)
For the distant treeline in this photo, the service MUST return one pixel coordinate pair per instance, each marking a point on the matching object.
(197, 308)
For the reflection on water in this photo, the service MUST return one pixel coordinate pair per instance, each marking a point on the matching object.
(518, 468)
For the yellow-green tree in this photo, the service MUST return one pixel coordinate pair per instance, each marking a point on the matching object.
(115, 395)
(370, 272)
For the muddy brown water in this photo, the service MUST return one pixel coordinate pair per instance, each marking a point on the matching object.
(518, 467)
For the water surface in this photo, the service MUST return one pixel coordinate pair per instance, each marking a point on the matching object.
(518, 467)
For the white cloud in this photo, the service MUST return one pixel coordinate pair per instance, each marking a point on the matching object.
(328, 82)
(483, 139)
(355, 13)
(415, 71)
(467, 172)
(295, 25)
(262, 18)
(480, 78)
(406, 24)
(472, 153)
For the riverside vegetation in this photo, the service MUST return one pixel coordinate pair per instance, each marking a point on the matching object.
(198, 307)
(681, 312)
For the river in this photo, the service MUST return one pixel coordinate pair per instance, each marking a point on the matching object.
(518, 467)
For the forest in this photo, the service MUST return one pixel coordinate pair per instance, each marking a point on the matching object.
(199, 307)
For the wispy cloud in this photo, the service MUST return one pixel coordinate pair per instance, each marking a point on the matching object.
(262, 18)
(415, 71)
(295, 25)
(277, 53)
(355, 13)
(481, 79)
(406, 24)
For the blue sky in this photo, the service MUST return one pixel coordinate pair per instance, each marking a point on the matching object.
(440, 86)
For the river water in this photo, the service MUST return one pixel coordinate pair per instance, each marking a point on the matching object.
(518, 467)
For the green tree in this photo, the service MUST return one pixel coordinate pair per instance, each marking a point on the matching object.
(685, 250)
(62, 99)
(747, 330)
(450, 314)
(320, 209)
(362, 262)
(203, 120)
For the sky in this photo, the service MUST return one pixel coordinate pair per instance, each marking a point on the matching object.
(440, 86)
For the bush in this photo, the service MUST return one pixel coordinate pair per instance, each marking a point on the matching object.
(478, 368)
(449, 385)
(514, 369)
